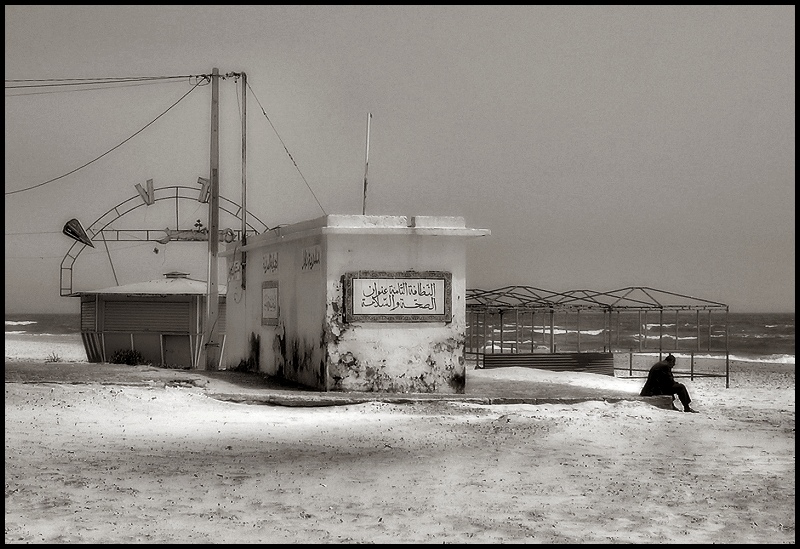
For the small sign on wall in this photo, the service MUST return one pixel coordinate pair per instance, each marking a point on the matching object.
(270, 262)
(269, 303)
(312, 257)
(408, 296)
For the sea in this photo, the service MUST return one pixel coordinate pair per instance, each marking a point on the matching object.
(752, 337)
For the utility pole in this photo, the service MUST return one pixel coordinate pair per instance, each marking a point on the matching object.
(211, 350)
(244, 180)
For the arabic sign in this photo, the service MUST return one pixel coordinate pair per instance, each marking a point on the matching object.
(270, 262)
(269, 303)
(409, 296)
(312, 256)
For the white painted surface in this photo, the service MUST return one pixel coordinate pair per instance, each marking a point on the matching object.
(312, 343)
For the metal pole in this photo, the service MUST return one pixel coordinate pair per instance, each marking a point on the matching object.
(727, 354)
(366, 168)
(676, 330)
(212, 297)
(478, 350)
(640, 330)
(502, 331)
(532, 329)
(697, 345)
(544, 332)
(483, 350)
(491, 332)
(552, 334)
(630, 363)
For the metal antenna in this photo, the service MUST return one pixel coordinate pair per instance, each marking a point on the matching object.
(366, 169)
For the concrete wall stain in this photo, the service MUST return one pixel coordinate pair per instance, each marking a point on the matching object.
(279, 350)
(253, 362)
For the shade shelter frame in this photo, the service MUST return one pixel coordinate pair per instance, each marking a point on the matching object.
(506, 319)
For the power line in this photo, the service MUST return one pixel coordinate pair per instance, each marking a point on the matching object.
(39, 232)
(87, 253)
(287, 150)
(113, 148)
(96, 87)
(49, 82)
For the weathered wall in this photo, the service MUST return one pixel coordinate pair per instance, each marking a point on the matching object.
(291, 347)
(395, 357)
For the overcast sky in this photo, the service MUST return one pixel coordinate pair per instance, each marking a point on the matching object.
(603, 146)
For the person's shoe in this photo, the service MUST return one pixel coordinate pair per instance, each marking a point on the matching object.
(687, 409)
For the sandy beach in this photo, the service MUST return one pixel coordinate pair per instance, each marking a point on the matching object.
(94, 463)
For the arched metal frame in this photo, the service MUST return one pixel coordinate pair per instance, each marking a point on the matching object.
(95, 230)
(502, 320)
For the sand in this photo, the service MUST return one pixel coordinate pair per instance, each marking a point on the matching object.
(123, 464)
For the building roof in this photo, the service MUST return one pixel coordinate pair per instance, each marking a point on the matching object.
(338, 224)
(163, 286)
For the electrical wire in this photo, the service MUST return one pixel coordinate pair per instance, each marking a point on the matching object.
(84, 81)
(96, 87)
(113, 148)
(286, 149)
(86, 253)
(37, 232)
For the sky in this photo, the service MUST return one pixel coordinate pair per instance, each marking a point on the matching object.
(602, 146)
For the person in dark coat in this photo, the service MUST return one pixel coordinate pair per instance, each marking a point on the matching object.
(660, 381)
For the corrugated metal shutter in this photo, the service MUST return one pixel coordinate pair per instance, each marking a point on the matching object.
(222, 317)
(88, 316)
(144, 316)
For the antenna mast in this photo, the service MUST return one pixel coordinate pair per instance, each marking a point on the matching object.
(366, 169)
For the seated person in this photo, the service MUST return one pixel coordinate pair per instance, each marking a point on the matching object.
(660, 381)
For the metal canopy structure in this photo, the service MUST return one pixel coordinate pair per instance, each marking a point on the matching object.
(99, 230)
(635, 319)
(633, 298)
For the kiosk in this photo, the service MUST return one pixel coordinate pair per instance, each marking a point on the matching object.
(352, 303)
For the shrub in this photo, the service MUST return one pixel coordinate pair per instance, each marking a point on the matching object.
(176, 367)
(127, 356)
(53, 358)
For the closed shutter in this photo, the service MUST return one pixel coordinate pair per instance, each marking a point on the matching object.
(88, 315)
(143, 316)
(221, 320)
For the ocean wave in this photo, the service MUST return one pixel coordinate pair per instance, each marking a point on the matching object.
(771, 359)
(556, 331)
(765, 359)
(668, 336)
(16, 332)
(655, 326)
(19, 323)
(763, 336)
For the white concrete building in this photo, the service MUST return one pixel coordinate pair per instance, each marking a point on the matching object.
(352, 303)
